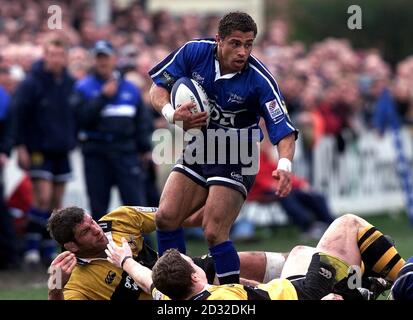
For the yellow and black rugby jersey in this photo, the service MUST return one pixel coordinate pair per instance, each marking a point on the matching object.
(98, 279)
(277, 289)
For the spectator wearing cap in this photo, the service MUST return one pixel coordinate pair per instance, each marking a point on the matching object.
(402, 288)
(114, 132)
(46, 134)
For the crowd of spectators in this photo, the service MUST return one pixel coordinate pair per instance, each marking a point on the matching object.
(329, 87)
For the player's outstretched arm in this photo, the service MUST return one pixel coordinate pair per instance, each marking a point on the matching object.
(282, 175)
(122, 258)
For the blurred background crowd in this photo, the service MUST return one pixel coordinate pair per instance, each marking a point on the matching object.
(330, 87)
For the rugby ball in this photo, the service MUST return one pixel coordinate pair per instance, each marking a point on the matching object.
(186, 89)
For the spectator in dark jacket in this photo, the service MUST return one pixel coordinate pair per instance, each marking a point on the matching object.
(114, 132)
(45, 135)
(8, 241)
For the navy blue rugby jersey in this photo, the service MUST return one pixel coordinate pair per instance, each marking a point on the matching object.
(238, 100)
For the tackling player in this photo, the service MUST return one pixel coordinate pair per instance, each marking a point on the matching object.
(349, 241)
(84, 272)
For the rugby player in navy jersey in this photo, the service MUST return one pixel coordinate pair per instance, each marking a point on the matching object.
(241, 90)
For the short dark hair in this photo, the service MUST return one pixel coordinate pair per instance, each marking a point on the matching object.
(62, 223)
(171, 275)
(234, 21)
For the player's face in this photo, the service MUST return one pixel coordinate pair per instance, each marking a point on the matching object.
(55, 58)
(89, 236)
(234, 50)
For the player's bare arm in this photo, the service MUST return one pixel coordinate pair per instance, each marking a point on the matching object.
(286, 149)
(159, 97)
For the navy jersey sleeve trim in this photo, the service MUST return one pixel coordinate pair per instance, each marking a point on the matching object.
(164, 63)
(275, 138)
(267, 76)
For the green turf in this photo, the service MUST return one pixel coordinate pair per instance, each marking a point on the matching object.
(286, 237)
(269, 239)
(24, 294)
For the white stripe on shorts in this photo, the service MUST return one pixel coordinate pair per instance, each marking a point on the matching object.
(239, 184)
(191, 172)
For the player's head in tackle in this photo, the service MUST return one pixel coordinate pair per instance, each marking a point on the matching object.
(76, 231)
(187, 279)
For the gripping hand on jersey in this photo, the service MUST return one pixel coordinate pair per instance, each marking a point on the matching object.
(116, 254)
(66, 262)
(190, 120)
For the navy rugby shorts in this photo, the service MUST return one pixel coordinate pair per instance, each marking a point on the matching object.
(50, 166)
(226, 169)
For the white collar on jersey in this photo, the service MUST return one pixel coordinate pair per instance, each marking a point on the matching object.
(85, 261)
(218, 72)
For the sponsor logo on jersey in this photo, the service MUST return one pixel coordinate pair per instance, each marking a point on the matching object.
(221, 117)
(168, 79)
(105, 225)
(130, 284)
(236, 98)
(145, 209)
(237, 176)
(197, 77)
(325, 273)
(274, 110)
(110, 277)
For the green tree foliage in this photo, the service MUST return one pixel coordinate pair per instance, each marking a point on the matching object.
(386, 25)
